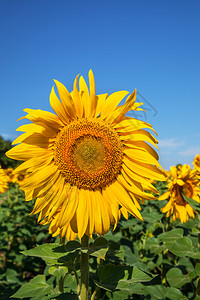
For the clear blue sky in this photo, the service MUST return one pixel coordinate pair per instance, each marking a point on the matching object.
(153, 46)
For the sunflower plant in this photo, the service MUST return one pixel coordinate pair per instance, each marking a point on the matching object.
(3, 180)
(88, 165)
(183, 187)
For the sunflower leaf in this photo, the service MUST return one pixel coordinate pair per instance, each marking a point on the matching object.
(58, 271)
(176, 279)
(113, 277)
(162, 292)
(179, 245)
(54, 253)
(194, 204)
(98, 249)
(36, 287)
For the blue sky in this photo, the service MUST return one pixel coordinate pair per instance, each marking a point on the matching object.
(153, 46)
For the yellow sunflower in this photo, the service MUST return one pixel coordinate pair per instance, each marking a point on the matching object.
(88, 163)
(3, 181)
(182, 181)
(196, 162)
(15, 178)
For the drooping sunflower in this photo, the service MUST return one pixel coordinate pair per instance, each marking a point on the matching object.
(88, 163)
(196, 162)
(182, 182)
(3, 181)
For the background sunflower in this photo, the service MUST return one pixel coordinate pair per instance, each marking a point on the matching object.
(182, 182)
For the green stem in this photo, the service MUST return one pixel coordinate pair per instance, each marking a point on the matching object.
(61, 285)
(168, 224)
(9, 197)
(77, 279)
(61, 280)
(84, 269)
(95, 292)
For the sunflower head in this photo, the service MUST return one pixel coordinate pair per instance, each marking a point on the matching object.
(88, 164)
(4, 179)
(196, 162)
(182, 183)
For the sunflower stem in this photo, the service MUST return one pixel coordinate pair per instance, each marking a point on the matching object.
(84, 269)
(77, 279)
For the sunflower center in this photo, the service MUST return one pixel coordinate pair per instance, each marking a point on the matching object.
(198, 163)
(88, 154)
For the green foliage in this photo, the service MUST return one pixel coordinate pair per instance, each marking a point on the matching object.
(19, 231)
(151, 259)
(6, 162)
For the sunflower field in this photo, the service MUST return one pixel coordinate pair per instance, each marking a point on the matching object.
(90, 213)
(157, 258)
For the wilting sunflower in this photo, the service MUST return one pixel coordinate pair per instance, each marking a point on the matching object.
(3, 181)
(89, 163)
(196, 162)
(182, 182)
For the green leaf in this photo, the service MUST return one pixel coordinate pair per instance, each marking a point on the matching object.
(109, 275)
(174, 294)
(156, 291)
(197, 269)
(176, 278)
(194, 204)
(36, 287)
(127, 223)
(183, 247)
(54, 253)
(137, 276)
(185, 262)
(153, 244)
(71, 246)
(70, 283)
(195, 231)
(171, 236)
(67, 296)
(118, 295)
(113, 277)
(151, 216)
(11, 276)
(58, 271)
(98, 249)
(115, 237)
(179, 245)
(132, 259)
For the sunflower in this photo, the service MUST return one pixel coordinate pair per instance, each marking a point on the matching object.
(88, 164)
(15, 178)
(3, 181)
(9, 173)
(196, 162)
(182, 182)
